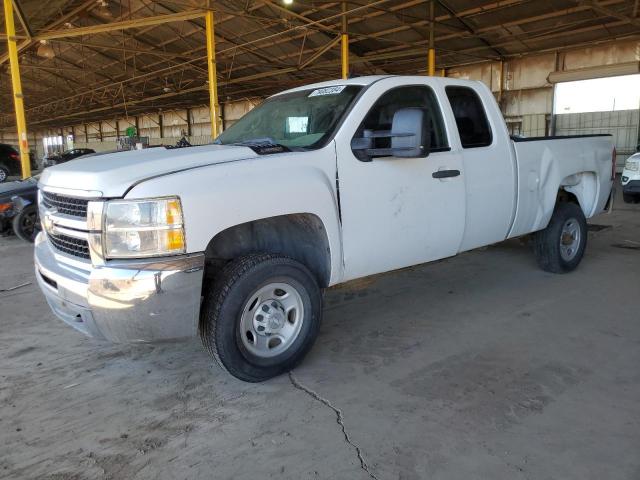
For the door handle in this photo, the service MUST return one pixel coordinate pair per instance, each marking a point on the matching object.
(445, 173)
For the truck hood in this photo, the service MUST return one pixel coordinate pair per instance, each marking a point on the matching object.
(112, 174)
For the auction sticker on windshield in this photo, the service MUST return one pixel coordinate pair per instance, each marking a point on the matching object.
(328, 91)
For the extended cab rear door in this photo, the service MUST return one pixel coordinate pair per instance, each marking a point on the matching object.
(482, 140)
(398, 211)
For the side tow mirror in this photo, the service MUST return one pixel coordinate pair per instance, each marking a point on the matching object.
(410, 133)
(410, 136)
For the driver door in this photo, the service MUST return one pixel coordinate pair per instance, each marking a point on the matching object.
(398, 212)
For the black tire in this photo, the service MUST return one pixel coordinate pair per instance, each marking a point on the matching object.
(547, 242)
(224, 303)
(630, 198)
(25, 224)
(4, 173)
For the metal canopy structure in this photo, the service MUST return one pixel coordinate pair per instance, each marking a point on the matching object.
(85, 60)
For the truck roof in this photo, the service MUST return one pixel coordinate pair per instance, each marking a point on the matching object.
(369, 79)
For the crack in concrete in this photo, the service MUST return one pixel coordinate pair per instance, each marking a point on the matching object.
(339, 421)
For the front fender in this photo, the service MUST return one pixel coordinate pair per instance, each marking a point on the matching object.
(217, 197)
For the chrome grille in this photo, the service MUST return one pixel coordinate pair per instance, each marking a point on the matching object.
(76, 207)
(72, 246)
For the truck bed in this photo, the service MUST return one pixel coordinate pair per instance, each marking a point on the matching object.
(581, 166)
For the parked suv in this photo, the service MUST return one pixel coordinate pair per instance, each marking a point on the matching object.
(631, 179)
(10, 161)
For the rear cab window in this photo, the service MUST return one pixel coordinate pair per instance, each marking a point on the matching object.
(471, 118)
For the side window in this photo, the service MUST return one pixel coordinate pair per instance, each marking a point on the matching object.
(470, 116)
(380, 117)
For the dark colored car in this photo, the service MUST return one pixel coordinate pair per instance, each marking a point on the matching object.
(18, 208)
(10, 162)
(65, 156)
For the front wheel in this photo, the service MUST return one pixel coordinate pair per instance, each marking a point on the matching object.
(559, 247)
(25, 223)
(261, 316)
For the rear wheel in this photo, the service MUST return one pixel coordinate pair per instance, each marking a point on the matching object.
(4, 173)
(559, 247)
(25, 223)
(261, 316)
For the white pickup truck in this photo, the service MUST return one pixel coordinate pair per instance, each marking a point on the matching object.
(317, 186)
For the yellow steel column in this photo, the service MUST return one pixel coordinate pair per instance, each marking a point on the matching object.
(214, 107)
(17, 89)
(345, 43)
(432, 62)
(432, 47)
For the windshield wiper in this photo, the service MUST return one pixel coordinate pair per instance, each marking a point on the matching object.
(263, 146)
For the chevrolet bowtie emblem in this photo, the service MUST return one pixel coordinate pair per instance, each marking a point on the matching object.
(47, 221)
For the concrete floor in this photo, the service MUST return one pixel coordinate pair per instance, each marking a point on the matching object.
(480, 366)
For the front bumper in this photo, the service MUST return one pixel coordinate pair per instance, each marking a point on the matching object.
(631, 187)
(125, 301)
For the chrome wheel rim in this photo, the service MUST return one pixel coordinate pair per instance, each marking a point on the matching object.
(3, 175)
(570, 239)
(271, 319)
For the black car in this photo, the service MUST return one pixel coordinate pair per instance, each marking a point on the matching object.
(10, 161)
(18, 208)
(65, 156)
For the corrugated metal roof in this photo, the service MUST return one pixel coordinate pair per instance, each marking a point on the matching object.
(262, 47)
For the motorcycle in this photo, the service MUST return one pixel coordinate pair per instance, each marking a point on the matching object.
(25, 192)
(26, 222)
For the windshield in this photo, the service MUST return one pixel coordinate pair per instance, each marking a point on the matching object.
(304, 119)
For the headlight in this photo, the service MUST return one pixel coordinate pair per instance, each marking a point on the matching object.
(143, 228)
(632, 166)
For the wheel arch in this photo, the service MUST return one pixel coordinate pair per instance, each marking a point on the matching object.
(301, 236)
(580, 188)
